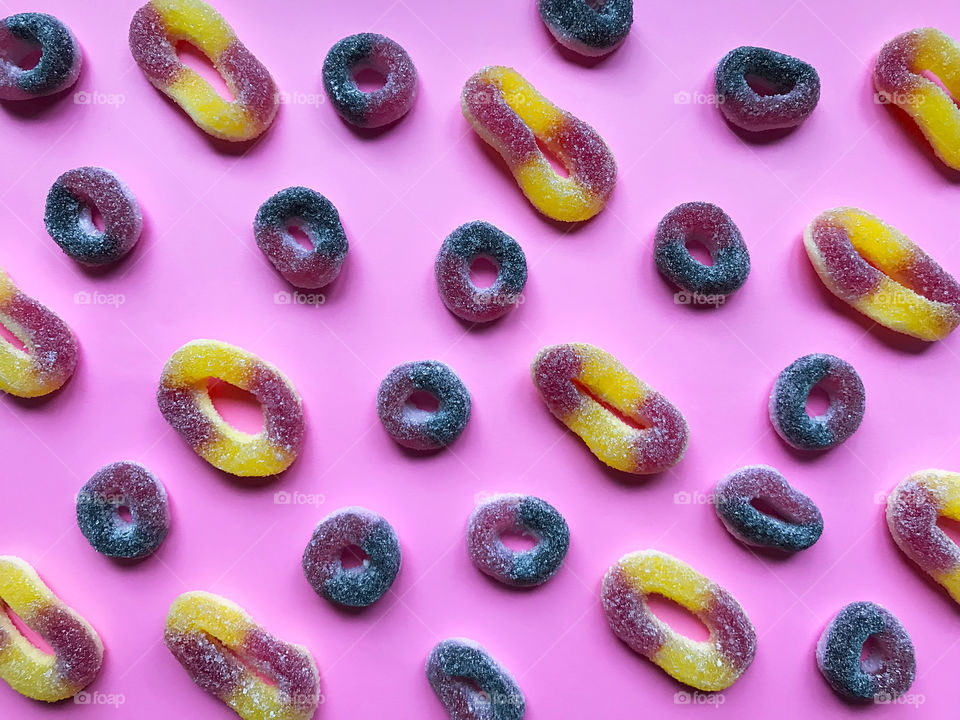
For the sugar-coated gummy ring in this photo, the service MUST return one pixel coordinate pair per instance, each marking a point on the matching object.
(900, 80)
(712, 665)
(795, 84)
(585, 27)
(580, 383)
(797, 524)
(229, 656)
(156, 29)
(420, 429)
(185, 403)
(130, 485)
(60, 56)
(359, 586)
(710, 225)
(318, 218)
(523, 514)
(77, 650)
(788, 402)
(461, 248)
(913, 510)
(840, 651)
(68, 215)
(880, 272)
(509, 114)
(471, 684)
(383, 105)
(51, 355)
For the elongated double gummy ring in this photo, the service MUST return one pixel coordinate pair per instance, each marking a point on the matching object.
(591, 29)
(77, 650)
(68, 215)
(882, 273)
(51, 355)
(130, 485)
(471, 684)
(509, 114)
(788, 402)
(840, 653)
(795, 84)
(323, 557)
(523, 514)
(461, 248)
(796, 525)
(900, 80)
(156, 29)
(60, 56)
(383, 105)
(913, 509)
(318, 218)
(257, 675)
(712, 665)
(713, 227)
(185, 402)
(589, 390)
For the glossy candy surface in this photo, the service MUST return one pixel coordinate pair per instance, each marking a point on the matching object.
(60, 58)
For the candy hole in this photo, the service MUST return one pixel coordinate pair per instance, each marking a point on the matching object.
(191, 56)
(236, 406)
(244, 659)
(932, 77)
(764, 505)
(555, 161)
(678, 617)
(368, 78)
(950, 527)
(764, 86)
(11, 337)
(124, 513)
(699, 248)
(29, 634)
(872, 656)
(483, 271)
(818, 401)
(299, 235)
(597, 5)
(353, 556)
(631, 422)
(518, 540)
(90, 218)
(29, 58)
(421, 402)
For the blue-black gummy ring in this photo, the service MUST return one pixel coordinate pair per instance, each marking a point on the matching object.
(60, 56)
(590, 30)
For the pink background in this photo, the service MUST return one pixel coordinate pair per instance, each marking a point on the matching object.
(197, 273)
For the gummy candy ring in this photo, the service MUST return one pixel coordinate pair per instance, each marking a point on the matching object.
(60, 56)
(509, 114)
(422, 429)
(156, 29)
(590, 391)
(840, 652)
(318, 218)
(713, 227)
(711, 665)
(323, 557)
(130, 485)
(788, 402)
(68, 215)
(796, 89)
(51, 349)
(796, 525)
(257, 675)
(370, 51)
(589, 28)
(913, 509)
(527, 515)
(471, 684)
(185, 403)
(77, 650)
(882, 273)
(459, 251)
(899, 79)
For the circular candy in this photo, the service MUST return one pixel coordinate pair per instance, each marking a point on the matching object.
(795, 85)
(318, 218)
(588, 27)
(323, 558)
(523, 514)
(60, 56)
(840, 654)
(123, 484)
(797, 524)
(788, 402)
(710, 225)
(471, 684)
(423, 429)
(69, 221)
(370, 51)
(462, 247)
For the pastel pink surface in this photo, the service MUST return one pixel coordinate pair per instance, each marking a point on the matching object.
(198, 273)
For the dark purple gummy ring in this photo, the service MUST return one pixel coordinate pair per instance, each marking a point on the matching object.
(60, 58)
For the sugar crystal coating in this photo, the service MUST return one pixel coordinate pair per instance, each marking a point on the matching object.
(471, 684)
(60, 58)
(589, 28)
(840, 651)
